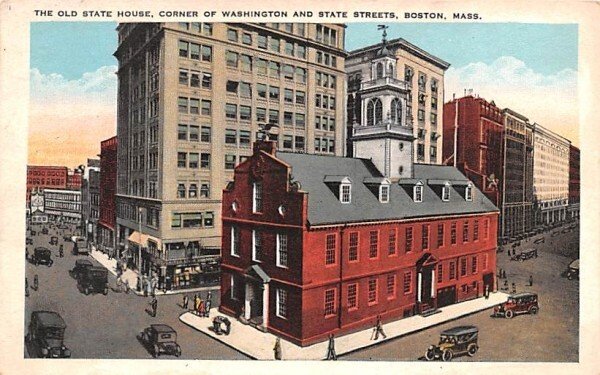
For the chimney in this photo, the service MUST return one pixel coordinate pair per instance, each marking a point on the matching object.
(269, 147)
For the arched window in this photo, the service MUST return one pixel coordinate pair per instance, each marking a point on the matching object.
(396, 111)
(390, 70)
(379, 70)
(374, 112)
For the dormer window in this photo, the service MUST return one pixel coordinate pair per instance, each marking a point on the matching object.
(384, 193)
(345, 193)
(446, 192)
(469, 192)
(418, 192)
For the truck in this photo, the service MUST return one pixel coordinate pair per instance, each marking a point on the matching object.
(80, 245)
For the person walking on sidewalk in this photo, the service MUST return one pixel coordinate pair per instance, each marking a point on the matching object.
(26, 288)
(61, 251)
(379, 328)
(530, 280)
(487, 292)
(514, 288)
(331, 356)
(35, 282)
(277, 349)
(154, 306)
(186, 301)
(207, 305)
(196, 303)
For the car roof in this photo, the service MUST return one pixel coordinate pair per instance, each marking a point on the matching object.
(460, 330)
(97, 268)
(83, 261)
(49, 318)
(574, 264)
(523, 294)
(162, 328)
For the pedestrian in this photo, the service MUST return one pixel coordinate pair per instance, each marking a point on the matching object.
(500, 272)
(379, 328)
(35, 282)
(277, 349)
(154, 305)
(26, 253)
(207, 305)
(145, 285)
(505, 287)
(487, 292)
(196, 303)
(504, 274)
(514, 288)
(201, 308)
(331, 356)
(61, 252)
(530, 280)
(26, 288)
(186, 301)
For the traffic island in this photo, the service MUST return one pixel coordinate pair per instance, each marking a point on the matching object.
(259, 345)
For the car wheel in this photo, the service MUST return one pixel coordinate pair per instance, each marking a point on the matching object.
(429, 355)
(178, 352)
(533, 310)
(472, 349)
(105, 292)
(509, 314)
(156, 352)
(447, 355)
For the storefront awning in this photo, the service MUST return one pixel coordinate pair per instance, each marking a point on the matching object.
(142, 239)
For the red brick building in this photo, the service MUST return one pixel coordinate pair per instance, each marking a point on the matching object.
(477, 126)
(41, 177)
(314, 244)
(574, 183)
(108, 189)
(74, 180)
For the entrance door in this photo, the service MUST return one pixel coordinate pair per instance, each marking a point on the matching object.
(426, 281)
(446, 296)
(488, 280)
(256, 304)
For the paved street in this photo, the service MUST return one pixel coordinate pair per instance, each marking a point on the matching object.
(101, 326)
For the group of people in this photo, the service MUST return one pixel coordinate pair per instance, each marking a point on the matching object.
(201, 306)
(513, 286)
(148, 285)
(35, 285)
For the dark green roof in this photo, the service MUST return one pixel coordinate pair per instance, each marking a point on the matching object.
(460, 330)
(49, 319)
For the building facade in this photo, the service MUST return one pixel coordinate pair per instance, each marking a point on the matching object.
(516, 211)
(41, 177)
(574, 183)
(107, 195)
(63, 205)
(422, 76)
(550, 176)
(473, 134)
(192, 99)
(90, 199)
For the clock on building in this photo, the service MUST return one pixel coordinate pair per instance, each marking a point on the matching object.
(37, 202)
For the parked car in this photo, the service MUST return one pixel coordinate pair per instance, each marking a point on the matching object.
(33, 233)
(525, 254)
(573, 271)
(453, 341)
(160, 339)
(80, 246)
(41, 255)
(94, 279)
(44, 230)
(521, 303)
(29, 241)
(53, 240)
(81, 265)
(46, 335)
(540, 240)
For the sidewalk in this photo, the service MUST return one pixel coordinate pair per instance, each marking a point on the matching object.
(131, 276)
(259, 345)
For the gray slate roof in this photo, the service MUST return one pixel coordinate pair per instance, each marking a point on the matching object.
(324, 206)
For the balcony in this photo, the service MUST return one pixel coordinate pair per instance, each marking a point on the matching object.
(384, 81)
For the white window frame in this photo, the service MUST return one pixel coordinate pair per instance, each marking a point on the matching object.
(446, 192)
(342, 186)
(234, 250)
(255, 235)
(387, 195)
(232, 289)
(278, 251)
(418, 198)
(278, 302)
(469, 192)
(257, 190)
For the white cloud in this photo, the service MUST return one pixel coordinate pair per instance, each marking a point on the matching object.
(550, 100)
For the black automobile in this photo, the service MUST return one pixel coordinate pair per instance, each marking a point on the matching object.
(81, 265)
(573, 271)
(29, 241)
(94, 280)
(539, 240)
(41, 255)
(44, 230)
(453, 341)
(160, 339)
(46, 335)
(53, 240)
(525, 254)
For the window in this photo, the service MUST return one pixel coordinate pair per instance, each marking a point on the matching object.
(407, 287)
(181, 190)
(453, 233)
(233, 293)
(245, 137)
(206, 53)
(301, 75)
(345, 193)
(205, 190)
(245, 90)
(440, 273)
(194, 133)
(206, 107)
(463, 267)
(301, 52)
(287, 142)
(440, 234)
(247, 39)
(392, 242)
(469, 193)
(421, 115)
(231, 111)
(274, 93)
(486, 228)
(408, 245)
(274, 44)
(484, 263)
(261, 114)
(396, 112)
(288, 95)
(418, 192)
(230, 136)
(372, 295)
(183, 77)
(476, 230)
(182, 132)
(193, 160)
(194, 106)
(446, 192)
(452, 273)
(204, 160)
(182, 104)
(209, 219)
(274, 116)
(379, 70)
(256, 246)
(300, 97)
(257, 196)
(261, 90)
(232, 35)
(281, 303)
(246, 63)
(352, 299)
(384, 193)
(229, 161)
(391, 286)
(425, 237)
(353, 247)
(373, 244)
(181, 159)
(261, 66)
(232, 59)
(282, 250)
(235, 241)
(299, 143)
(465, 232)
(374, 112)
(474, 265)
(329, 302)
(206, 84)
(274, 69)
(289, 48)
(232, 87)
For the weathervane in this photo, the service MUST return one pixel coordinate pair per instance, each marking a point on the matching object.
(384, 28)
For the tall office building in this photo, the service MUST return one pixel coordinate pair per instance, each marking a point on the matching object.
(421, 75)
(192, 98)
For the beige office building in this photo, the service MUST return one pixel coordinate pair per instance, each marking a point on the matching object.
(192, 99)
(422, 75)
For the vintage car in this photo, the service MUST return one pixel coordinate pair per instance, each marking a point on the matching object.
(81, 265)
(53, 240)
(33, 233)
(41, 255)
(521, 303)
(540, 240)
(94, 280)
(573, 271)
(80, 246)
(160, 339)
(453, 341)
(29, 241)
(525, 254)
(46, 335)
(44, 230)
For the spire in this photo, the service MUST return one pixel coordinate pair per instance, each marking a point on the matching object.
(383, 51)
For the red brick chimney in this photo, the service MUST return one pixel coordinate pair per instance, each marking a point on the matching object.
(266, 146)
